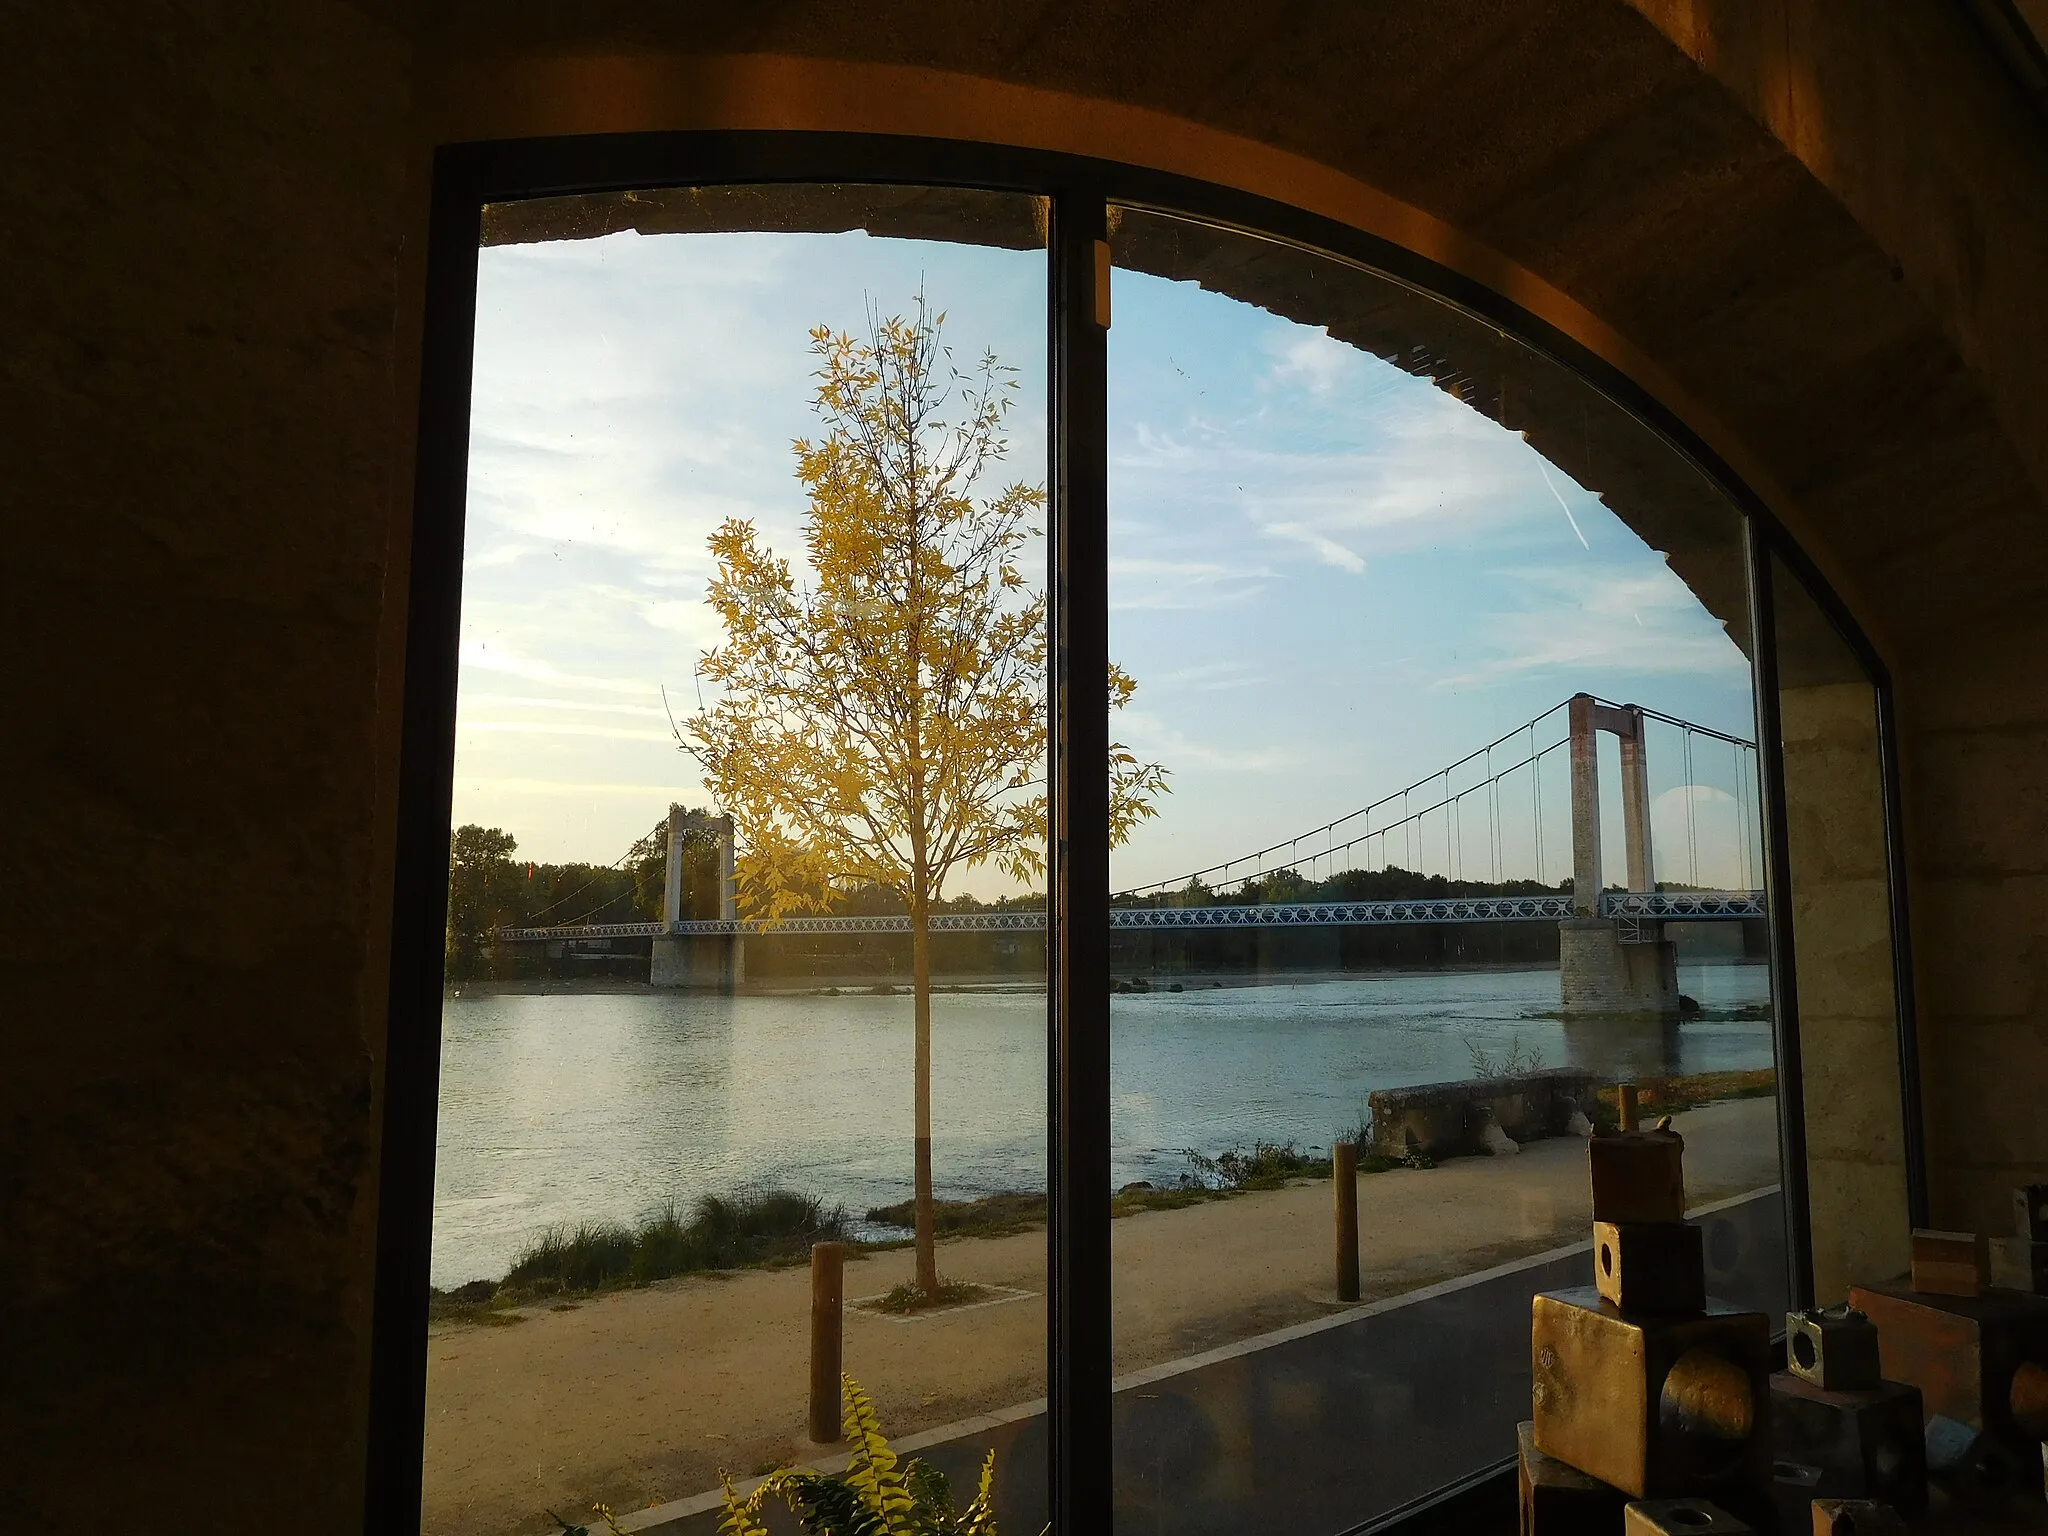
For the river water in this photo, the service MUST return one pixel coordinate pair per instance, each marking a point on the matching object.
(577, 1106)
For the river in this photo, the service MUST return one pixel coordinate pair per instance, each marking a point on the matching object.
(571, 1106)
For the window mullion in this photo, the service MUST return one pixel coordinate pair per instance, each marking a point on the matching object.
(1079, 1303)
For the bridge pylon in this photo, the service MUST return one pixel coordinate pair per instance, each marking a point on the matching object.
(704, 962)
(1612, 966)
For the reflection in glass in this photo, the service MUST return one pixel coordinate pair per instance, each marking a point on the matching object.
(1841, 935)
(755, 473)
(1446, 660)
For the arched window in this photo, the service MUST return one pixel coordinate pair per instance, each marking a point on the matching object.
(998, 726)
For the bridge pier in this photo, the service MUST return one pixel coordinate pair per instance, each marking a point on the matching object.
(1610, 966)
(697, 961)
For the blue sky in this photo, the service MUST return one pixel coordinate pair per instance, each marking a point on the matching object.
(1328, 578)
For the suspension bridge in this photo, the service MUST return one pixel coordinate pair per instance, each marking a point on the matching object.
(1492, 818)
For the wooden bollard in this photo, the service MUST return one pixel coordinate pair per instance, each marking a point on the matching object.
(1344, 1174)
(1625, 1103)
(828, 1299)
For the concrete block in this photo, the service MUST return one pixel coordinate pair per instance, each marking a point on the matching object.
(1949, 1263)
(1560, 1500)
(1682, 1517)
(2030, 1212)
(1867, 1444)
(1856, 1517)
(1650, 1267)
(1656, 1406)
(2018, 1264)
(1638, 1176)
(1835, 1348)
(1962, 1352)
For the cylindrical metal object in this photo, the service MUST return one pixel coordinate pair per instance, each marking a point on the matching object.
(1344, 1174)
(828, 1300)
(2028, 1399)
(1625, 1099)
(1708, 1411)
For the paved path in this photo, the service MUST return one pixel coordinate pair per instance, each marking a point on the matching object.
(643, 1397)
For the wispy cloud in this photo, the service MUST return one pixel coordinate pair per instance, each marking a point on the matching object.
(1325, 548)
(1572, 622)
(1155, 739)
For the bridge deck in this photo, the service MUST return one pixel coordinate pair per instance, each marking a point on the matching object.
(1681, 906)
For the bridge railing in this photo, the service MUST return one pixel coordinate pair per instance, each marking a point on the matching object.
(1678, 906)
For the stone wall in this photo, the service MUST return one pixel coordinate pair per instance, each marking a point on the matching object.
(199, 289)
(1847, 1022)
(1449, 1119)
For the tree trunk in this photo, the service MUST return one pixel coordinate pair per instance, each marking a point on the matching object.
(921, 989)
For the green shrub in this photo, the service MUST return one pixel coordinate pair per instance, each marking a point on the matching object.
(1266, 1165)
(723, 1232)
(877, 1495)
(995, 1215)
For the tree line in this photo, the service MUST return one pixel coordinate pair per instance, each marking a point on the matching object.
(490, 887)
(1286, 886)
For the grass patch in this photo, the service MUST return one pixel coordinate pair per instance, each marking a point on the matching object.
(1133, 1200)
(910, 1298)
(998, 1215)
(750, 1229)
(1264, 1165)
(1668, 1095)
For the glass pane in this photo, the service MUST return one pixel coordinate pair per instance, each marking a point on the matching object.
(1444, 660)
(747, 865)
(1841, 937)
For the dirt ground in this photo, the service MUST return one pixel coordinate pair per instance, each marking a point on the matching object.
(640, 1397)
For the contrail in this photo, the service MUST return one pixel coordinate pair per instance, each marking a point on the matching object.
(1545, 473)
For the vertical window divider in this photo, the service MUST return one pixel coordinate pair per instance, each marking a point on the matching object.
(1763, 630)
(1078, 1263)
(419, 905)
(1904, 1000)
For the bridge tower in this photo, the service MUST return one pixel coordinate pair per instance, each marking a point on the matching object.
(1610, 966)
(702, 961)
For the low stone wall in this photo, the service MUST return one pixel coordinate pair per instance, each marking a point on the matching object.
(1450, 1119)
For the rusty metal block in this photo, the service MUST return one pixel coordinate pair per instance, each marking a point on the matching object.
(1949, 1263)
(2027, 1397)
(1656, 1406)
(1558, 1500)
(1965, 1353)
(2030, 1212)
(1856, 1517)
(1866, 1444)
(1833, 1347)
(1682, 1517)
(1638, 1176)
(2019, 1264)
(1650, 1267)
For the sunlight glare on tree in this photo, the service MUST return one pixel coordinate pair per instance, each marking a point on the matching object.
(886, 722)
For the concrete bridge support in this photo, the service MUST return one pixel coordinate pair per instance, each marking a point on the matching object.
(701, 962)
(1609, 966)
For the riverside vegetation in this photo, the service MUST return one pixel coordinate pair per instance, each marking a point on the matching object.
(773, 1228)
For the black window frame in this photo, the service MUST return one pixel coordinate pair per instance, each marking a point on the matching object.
(467, 177)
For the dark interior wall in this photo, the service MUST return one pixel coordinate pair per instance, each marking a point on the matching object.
(210, 264)
(199, 278)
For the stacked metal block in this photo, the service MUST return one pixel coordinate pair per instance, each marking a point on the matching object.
(1650, 1398)
(1970, 1332)
(1833, 1412)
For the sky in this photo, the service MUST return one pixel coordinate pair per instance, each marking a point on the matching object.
(1328, 578)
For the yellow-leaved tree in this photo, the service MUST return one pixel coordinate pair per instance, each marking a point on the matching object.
(885, 719)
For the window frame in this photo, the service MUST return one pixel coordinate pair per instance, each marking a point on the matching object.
(468, 176)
